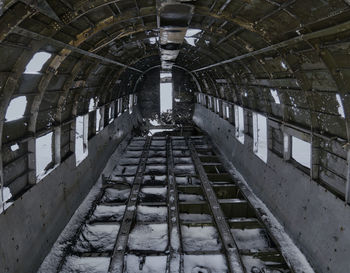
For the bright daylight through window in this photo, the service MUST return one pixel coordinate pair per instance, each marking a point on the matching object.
(166, 93)
(301, 151)
(37, 62)
(16, 108)
(43, 153)
(260, 136)
(81, 138)
(239, 122)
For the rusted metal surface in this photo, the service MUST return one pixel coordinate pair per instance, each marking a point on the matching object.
(231, 249)
(243, 50)
(117, 259)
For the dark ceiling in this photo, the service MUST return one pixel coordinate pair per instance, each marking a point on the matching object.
(299, 48)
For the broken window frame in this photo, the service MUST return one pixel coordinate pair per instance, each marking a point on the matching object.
(239, 123)
(259, 137)
(131, 103)
(120, 106)
(295, 157)
(99, 115)
(40, 174)
(111, 113)
(165, 85)
(85, 147)
(42, 62)
(13, 106)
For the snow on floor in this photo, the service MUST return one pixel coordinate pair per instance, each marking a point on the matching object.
(154, 179)
(125, 179)
(56, 254)
(195, 217)
(151, 214)
(185, 197)
(76, 264)
(129, 161)
(155, 169)
(184, 180)
(156, 160)
(125, 170)
(108, 213)
(183, 160)
(200, 238)
(153, 194)
(156, 153)
(254, 264)
(290, 251)
(205, 264)
(155, 190)
(149, 237)
(151, 264)
(184, 169)
(97, 238)
(116, 195)
(250, 238)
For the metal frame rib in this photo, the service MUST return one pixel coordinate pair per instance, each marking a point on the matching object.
(230, 246)
(117, 260)
(173, 219)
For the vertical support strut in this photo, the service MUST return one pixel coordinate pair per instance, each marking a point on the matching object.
(117, 260)
(230, 246)
(173, 220)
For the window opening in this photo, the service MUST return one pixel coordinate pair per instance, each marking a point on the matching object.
(275, 96)
(131, 103)
(340, 106)
(81, 138)
(227, 111)
(192, 31)
(99, 125)
(93, 104)
(43, 155)
(16, 108)
(301, 151)
(14, 147)
(111, 113)
(239, 121)
(217, 106)
(4, 197)
(191, 41)
(166, 95)
(37, 62)
(260, 136)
